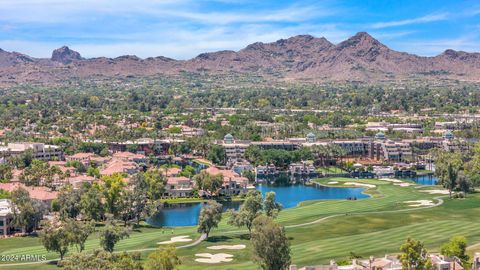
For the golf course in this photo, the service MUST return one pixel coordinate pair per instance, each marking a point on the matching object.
(318, 230)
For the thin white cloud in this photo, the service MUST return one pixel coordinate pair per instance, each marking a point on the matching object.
(423, 19)
(469, 43)
(61, 11)
(179, 43)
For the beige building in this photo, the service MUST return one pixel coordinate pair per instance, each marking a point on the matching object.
(5, 217)
(39, 150)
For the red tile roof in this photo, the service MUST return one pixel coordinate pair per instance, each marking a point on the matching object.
(39, 193)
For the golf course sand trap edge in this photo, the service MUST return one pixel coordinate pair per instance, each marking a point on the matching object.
(402, 184)
(332, 183)
(359, 184)
(176, 239)
(419, 203)
(213, 258)
(391, 180)
(436, 191)
(233, 247)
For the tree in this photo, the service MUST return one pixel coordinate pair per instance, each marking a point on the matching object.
(249, 210)
(464, 184)
(451, 180)
(40, 173)
(27, 212)
(250, 175)
(91, 203)
(456, 247)
(447, 166)
(210, 216)
(127, 207)
(69, 200)
(93, 172)
(188, 171)
(5, 173)
(413, 255)
(217, 154)
(101, 260)
(210, 184)
(270, 206)
(155, 182)
(271, 248)
(162, 259)
(80, 231)
(111, 234)
(56, 237)
(472, 167)
(112, 189)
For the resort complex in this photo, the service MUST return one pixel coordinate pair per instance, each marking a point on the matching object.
(239, 135)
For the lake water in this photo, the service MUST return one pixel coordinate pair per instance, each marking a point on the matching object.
(428, 180)
(186, 214)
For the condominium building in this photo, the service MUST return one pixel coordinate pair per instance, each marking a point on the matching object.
(39, 150)
(234, 149)
(5, 217)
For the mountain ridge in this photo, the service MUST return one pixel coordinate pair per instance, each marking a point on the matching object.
(302, 57)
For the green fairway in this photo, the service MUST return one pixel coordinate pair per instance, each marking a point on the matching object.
(318, 230)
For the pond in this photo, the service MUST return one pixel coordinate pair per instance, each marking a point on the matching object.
(289, 195)
(428, 180)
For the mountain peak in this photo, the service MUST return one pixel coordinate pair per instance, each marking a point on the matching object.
(65, 55)
(361, 39)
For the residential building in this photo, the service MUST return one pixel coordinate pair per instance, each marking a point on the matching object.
(119, 166)
(301, 169)
(233, 149)
(43, 194)
(179, 186)
(391, 151)
(6, 217)
(233, 183)
(39, 150)
(83, 158)
(387, 262)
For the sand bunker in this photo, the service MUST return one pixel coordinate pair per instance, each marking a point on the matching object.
(176, 239)
(227, 247)
(332, 183)
(214, 258)
(359, 184)
(420, 203)
(402, 184)
(436, 191)
(391, 180)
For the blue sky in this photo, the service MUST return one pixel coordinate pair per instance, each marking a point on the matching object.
(182, 29)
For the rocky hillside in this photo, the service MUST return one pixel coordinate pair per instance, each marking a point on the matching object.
(304, 57)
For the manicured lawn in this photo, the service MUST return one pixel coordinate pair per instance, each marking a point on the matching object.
(372, 226)
(331, 169)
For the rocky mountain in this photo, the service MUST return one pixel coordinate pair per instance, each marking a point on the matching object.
(65, 56)
(303, 57)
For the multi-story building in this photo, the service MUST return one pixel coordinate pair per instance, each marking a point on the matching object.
(144, 146)
(39, 150)
(179, 186)
(393, 151)
(234, 149)
(6, 217)
(233, 183)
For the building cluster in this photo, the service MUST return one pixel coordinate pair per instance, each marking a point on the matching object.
(378, 148)
(439, 262)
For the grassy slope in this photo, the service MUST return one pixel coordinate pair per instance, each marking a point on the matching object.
(365, 230)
